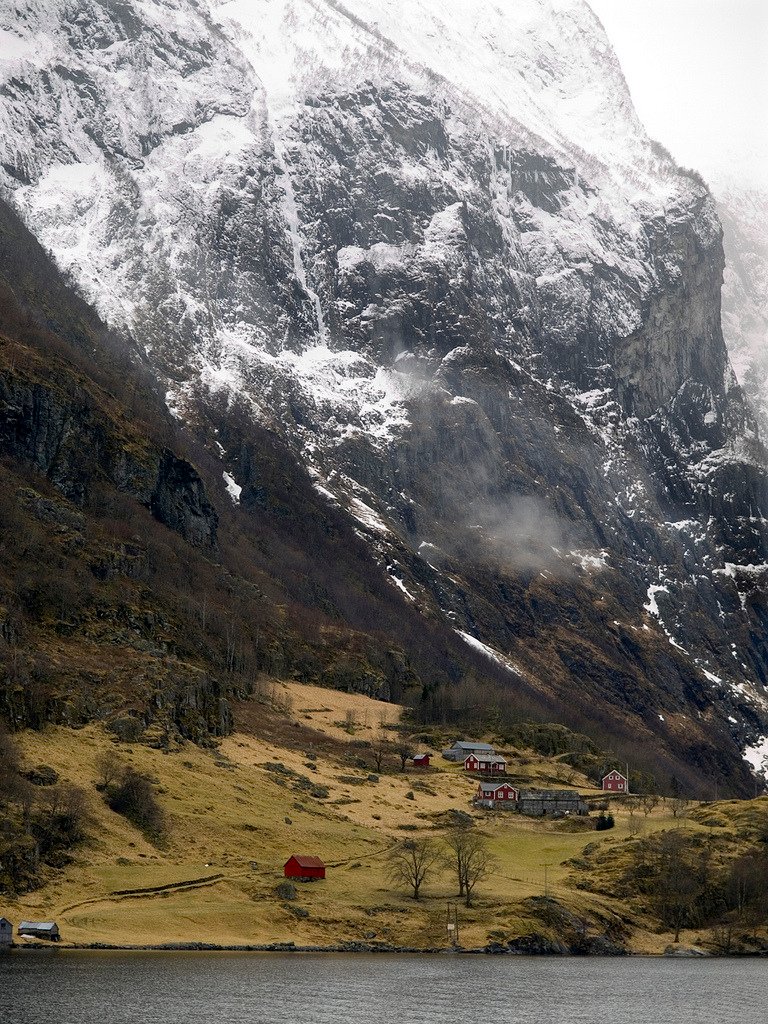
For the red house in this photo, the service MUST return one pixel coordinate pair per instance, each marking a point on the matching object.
(421, 760)
(305, 868)
(615, 782)
(496, 791)
(489, 764)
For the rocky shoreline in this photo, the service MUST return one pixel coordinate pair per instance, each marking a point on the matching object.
(523, 946)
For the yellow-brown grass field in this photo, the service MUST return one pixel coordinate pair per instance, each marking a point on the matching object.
(233, 823)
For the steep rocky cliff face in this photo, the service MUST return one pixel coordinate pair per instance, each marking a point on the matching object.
(124, 595)
(70, 444)
(430, 247)
(60, 420)
(744, 214)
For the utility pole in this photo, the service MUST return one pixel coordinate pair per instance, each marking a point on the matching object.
(546, 879)
(627, 767)
(452, 923)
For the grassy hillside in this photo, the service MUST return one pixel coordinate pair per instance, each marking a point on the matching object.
(297, 778)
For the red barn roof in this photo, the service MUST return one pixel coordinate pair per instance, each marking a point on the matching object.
(306, 862)
(301, 866)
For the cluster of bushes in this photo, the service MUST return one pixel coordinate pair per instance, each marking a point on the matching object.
(41, 820)
(131, 794)
(686, 885)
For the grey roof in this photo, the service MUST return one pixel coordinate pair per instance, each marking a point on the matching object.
(491, 787)
(471, 745)
(39, 926)
(549, 794)
(4, 920)
(490, 758)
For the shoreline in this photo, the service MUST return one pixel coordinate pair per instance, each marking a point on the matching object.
(360, 948)
(271, 947)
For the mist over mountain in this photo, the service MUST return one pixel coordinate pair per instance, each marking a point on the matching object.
(428, 253)
(744, 216)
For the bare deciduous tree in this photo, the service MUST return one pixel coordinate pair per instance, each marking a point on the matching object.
(108, 765)
(632, 804)
(648, 802)
(67, 810)
(404, 751)
(410, 863)
(133, 797)
(469, 858)
(380, 748)
(747, 890)
(679, 805)
(679, 881)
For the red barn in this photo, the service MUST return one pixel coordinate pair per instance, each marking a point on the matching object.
(490, 764)
(305, 868)
(615, 782)
(421, 760)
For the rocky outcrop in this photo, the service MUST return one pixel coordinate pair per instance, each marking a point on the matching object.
(743, 211)
(63, 434)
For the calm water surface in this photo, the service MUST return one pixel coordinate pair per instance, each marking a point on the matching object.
(246, 988)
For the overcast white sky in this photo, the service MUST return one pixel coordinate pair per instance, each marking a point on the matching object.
(698, 73)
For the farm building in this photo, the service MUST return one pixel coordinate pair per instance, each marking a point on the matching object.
(489, 764)
(533, 802)
(615, 782)
(40, 930)
(463, 748)
(538, 802)
(488, 793)
(304, 868)
(421, 760)
(6, 932)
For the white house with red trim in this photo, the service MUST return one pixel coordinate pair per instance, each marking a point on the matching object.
(615, 782)
(488, 764)
(493, 791)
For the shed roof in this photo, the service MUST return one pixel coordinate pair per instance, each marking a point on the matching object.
(549, 794)
(306, 862)
(472, 745)
(4, 920)
(39, 926)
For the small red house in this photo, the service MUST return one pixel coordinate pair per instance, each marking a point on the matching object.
(489, 764)
(305, 868)
(496, 791)
(421, 760)
(615, 782)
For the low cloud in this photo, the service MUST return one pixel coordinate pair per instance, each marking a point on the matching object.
(522, 533)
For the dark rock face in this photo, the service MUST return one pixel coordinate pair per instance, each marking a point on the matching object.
(180, 502)
(69, 440)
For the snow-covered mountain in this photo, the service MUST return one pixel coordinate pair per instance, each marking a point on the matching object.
(744, 214)
(431, 246)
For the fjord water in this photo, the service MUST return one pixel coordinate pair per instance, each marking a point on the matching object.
(247, 988)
